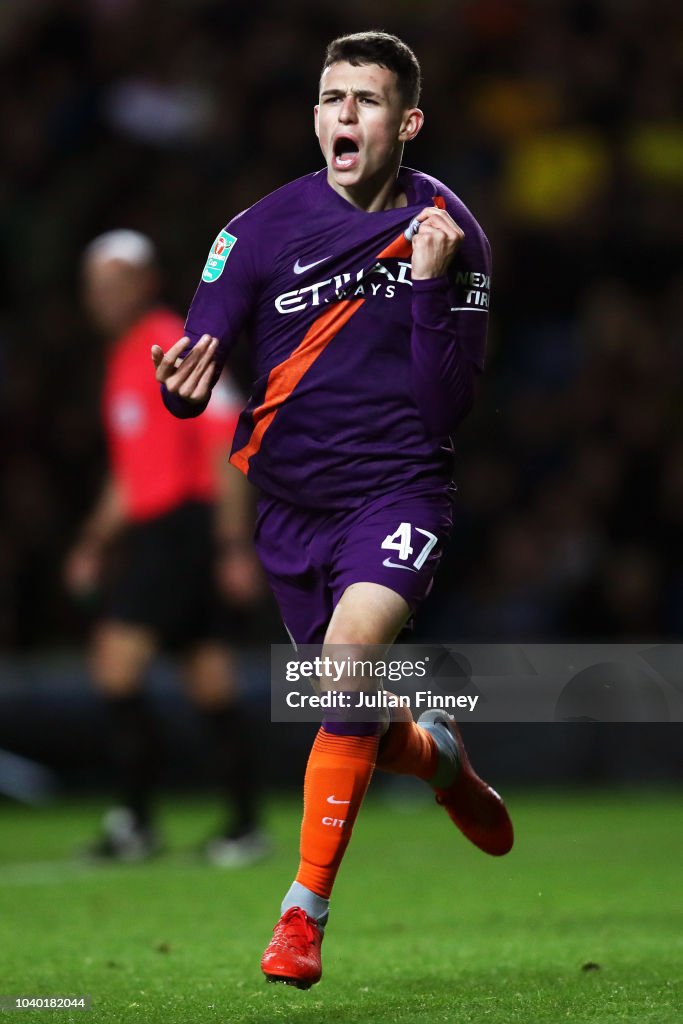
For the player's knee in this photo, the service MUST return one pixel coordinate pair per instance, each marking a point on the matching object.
(210, 692)
(210, 677)
(362, 635)
(112, 679)
(358, 635)
(118, 661)
(367, 615)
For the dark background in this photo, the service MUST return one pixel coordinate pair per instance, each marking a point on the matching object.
(557, 123)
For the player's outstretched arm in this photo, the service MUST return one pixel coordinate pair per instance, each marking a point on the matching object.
(188, 377)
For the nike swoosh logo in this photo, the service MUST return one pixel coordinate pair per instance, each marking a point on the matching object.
(331, 800)
(394, 565)
(301, 268)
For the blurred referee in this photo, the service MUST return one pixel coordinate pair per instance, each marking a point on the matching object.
(184, 569)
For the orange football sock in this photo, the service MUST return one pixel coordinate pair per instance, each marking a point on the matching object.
(406, 749)
(337, 775)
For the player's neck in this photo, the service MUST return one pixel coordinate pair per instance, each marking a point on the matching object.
(372, 196)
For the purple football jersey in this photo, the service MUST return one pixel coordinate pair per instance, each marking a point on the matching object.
(361, 374)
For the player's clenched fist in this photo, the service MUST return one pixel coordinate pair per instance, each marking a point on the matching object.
(189, 376)
(434, 244)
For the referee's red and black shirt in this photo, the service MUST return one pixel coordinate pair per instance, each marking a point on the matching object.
(158, 461)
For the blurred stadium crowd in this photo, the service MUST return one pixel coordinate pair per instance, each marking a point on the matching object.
(557, 122)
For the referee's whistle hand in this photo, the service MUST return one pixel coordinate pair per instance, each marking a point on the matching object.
(187, 373)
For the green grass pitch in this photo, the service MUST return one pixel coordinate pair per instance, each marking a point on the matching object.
(424, 928)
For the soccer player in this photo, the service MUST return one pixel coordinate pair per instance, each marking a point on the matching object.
(180, 517)
(364, 289)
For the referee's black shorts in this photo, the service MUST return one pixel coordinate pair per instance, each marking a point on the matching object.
(164, 579)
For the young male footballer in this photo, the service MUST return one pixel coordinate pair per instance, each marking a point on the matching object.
(364, 290)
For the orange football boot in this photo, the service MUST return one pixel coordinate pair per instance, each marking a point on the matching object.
(292, 956)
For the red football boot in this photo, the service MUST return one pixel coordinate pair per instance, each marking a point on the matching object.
(470, 803)
(293, 955)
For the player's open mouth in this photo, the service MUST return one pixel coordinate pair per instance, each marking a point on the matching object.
(345, 153)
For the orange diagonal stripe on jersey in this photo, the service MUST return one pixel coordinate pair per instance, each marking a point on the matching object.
(400, 247)
(284, 377)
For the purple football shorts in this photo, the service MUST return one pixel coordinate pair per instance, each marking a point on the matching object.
(311, 556)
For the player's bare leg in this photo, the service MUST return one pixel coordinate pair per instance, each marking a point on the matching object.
(367, 613)
(119, 658)
(210, 679)
(339, 769)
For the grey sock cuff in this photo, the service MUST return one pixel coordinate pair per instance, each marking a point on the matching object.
(434, 722)
(315, 906)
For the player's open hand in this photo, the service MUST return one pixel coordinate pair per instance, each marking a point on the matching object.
(191, 376)
(434, 244)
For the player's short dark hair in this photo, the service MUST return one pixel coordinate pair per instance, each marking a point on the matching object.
(383, 49)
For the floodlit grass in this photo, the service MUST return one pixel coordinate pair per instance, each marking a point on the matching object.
(424, 928)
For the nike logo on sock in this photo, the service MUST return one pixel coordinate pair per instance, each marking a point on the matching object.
(331, 800)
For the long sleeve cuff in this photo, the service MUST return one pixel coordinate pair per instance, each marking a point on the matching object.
(442, 375)
(179, 406)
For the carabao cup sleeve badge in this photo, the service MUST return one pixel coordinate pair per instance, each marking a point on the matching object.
(220, 250)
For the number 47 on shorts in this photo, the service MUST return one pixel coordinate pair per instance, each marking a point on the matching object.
(401, 541)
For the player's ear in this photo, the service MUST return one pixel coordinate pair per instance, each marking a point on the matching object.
(411, 122)
(316, 108)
